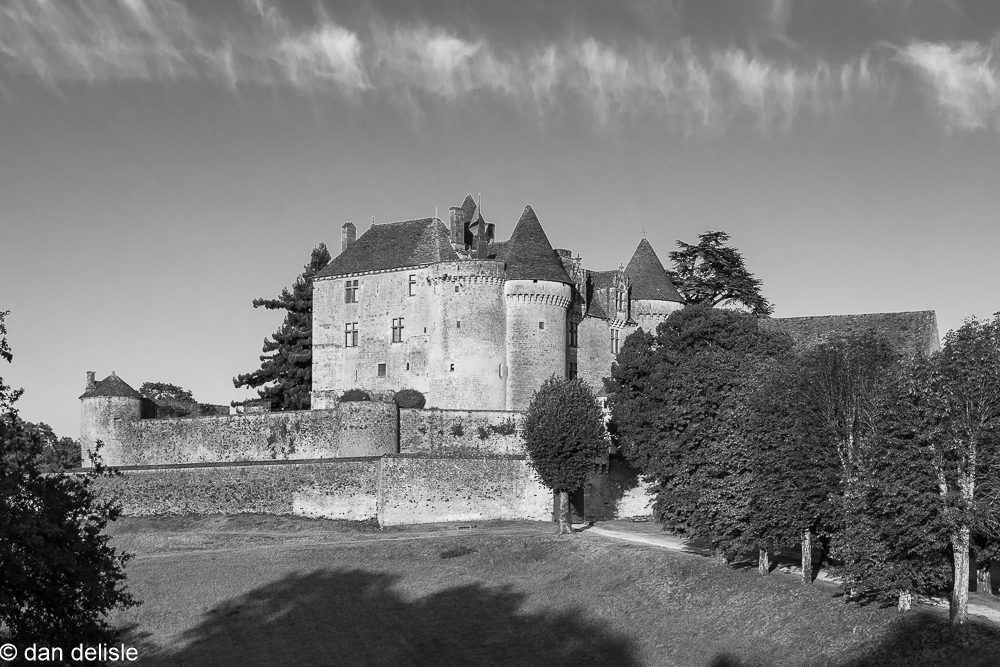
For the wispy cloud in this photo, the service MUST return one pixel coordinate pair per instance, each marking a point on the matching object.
(964, 79)
(60, 42)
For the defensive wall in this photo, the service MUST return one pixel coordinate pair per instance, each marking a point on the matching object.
(394, 489)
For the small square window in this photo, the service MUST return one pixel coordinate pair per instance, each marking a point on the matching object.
(381, 370)
(541, 325)
(456, 288)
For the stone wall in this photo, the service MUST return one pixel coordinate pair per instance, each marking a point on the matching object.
(460, 432)
(414, 489)
(349, 430)
(395, 489)
(342, 489)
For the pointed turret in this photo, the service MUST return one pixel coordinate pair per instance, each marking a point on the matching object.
(529, 255)
(647, 277)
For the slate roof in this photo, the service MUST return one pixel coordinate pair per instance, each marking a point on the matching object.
(468, 208)
(911, 333)
(529, 255)
(112, 386)
(598, 301)
(647, 277)
(393, 246)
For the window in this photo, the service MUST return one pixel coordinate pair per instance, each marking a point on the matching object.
(351, 291)
(452, 367)
(351, 334)
(541, 325)
(456, 288)
(381, 370)
(614, 341)
(500, 370)
(620, 300)
(571, 371)
(407, 365)
(413, 284)
(397, 330)
(573, 333)
(458, 324)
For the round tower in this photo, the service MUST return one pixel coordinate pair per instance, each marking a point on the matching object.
(652, 294)
(537, 295)
(104, 406)
(466, 360)
(536, 336)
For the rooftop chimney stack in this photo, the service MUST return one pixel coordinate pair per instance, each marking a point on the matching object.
(91, 382)
(348, 234)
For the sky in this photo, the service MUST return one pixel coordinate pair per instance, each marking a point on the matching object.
(163, 163)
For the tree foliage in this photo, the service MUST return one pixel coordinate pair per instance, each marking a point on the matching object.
(958, 392)
(355, 395)
(285, 374)
(59, 575)
(679, 403)
(172, 400)
(713, 273)
(564, 432)
(409, 398)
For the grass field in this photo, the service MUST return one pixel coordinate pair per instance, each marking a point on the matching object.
(280, 591)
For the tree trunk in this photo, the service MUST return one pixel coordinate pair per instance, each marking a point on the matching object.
(985, 579)
(565, 527)
(807, 557)
(763, 562)
(960, 589)
(905, 600)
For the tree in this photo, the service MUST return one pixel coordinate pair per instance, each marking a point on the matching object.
(959, 396)
(174, 401)
(712, 273)
(285, 374)
(59, 575)
(57, 453)
(679, 406)
(564, 435)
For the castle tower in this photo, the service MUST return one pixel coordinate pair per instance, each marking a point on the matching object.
(459, 218)
(466, 363)
(106, 407)
(537, 294)
(652, 294)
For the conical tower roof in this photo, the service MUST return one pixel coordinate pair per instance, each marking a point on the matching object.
(648, 278)
(529, 255)
(112, 386)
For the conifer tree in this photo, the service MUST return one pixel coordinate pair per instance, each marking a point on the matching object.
(712, 273)
(284, 378)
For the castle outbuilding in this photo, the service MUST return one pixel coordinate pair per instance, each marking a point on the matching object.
(472, 322)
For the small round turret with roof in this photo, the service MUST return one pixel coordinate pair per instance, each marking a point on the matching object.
(103, 407)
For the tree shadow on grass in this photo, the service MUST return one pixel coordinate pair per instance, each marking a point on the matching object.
(927, 638)
(356, 617)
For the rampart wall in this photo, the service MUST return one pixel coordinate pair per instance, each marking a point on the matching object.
(394, 489)
(460, 432)
(347, 430)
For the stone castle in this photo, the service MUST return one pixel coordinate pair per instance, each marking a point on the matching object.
(474, 323)
(470, 321)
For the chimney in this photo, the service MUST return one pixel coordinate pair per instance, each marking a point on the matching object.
(91, 382)
(348, 234)
(456, 221)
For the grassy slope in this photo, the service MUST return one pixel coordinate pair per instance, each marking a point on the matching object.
(313, 592)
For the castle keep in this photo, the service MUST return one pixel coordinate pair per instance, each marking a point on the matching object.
(472, 322)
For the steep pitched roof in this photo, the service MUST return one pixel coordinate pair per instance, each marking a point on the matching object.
(648, 278)
(394, 245)
(468, 208)
(598, 301)
(528, 253)
(910, 333)
(112, 386)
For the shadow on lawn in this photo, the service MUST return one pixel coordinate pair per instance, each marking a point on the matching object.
(356, 617)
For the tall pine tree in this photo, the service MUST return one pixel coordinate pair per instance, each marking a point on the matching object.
(285, 375)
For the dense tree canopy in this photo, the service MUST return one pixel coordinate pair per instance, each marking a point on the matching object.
(713, 273)
(564, 434)
(285, 374)
(59, 575)
(679, 402)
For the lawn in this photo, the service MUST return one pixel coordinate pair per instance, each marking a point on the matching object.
(281, 591)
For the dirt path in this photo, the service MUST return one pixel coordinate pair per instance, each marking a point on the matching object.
(672, 543)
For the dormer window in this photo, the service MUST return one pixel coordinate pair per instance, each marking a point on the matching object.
(620, 300)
